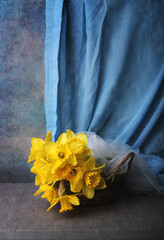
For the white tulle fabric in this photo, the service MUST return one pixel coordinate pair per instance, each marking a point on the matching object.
(139, 178)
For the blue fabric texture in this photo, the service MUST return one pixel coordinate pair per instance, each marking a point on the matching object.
(104, 63)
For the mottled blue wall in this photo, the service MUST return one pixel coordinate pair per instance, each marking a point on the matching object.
(22, 33)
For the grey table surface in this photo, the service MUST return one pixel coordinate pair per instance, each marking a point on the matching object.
(23, 216)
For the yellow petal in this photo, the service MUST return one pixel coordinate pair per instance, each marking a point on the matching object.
(54, 203)
(42, 176)
(98, 169)
(50, 194)
(101, 184)
(83, 138)
(38, 192)
(55, 195)
(73, 186)
(88, 192)
(65, 205)
(32, 157)
(49, 147)
(51, 178)
(48, 137)
(37, 181)
(84, 155)
(39, 165)
(57, 165)
(37, 143)
(75, 147)
(76, 187)
(74, 200)
(90, 164)
(62, 139)
(62, 173)
(72, 160)
(44, 162)
(70, 135)
(34, 169)
(87, 151)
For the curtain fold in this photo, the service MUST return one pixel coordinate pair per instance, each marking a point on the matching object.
(52, 42)
(104, 63)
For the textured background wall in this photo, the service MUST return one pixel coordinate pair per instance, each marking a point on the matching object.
(22, 33)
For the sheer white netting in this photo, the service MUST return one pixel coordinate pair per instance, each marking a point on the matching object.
(140, 178)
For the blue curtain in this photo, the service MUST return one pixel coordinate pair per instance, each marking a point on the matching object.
(104, 63)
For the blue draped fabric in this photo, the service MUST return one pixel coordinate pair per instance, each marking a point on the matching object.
(104, 63)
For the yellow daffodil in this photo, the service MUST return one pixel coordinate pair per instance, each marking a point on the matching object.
(42, 169)
(85, 152)
(66, 202)
(75, 177)
(64, 150)
(88, 180)
(59, 155)
(81, 137)
(50, 193)
(92, 179)
(37, 147)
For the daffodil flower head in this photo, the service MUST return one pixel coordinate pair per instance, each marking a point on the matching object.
(65, 205)
(65, 149)
(59, 155)
(92, 179)
(75, 177)
(66, 202)
(50, 193)
(37, 147)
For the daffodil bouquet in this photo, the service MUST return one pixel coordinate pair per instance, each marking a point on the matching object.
(65, 170)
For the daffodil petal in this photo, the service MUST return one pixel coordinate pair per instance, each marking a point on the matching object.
(87, 151)
(72, 160)
(50, 195)
(73, 187)
(76, 187)
(49, 147)
(34, 169)
(37, 181)
(37, 143)
(48, 137)
(98, 169)
(90, 164)
(37, 192)
(32, 157)
(62, 139)
(83, 138)
(43, 176)
(41, 189)
(74, 200)
(57, 165)
(51, 178)
(88, 192)
(42, 160)
(70, 135)
(52, 205)
(40, 155)
(101, 184)
(55, 196)
(75, 147)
